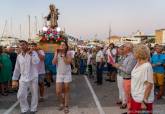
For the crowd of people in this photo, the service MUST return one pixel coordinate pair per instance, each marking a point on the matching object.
(138, 69)
(7, 63)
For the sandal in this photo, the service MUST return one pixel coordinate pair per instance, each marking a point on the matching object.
(66, 110)
(123, 106)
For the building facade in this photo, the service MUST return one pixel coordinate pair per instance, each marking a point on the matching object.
(113, 39)
(160, 36)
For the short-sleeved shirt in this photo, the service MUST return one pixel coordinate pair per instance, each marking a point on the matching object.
(41, 65)
(89, 61)
(111, 55)
(99, 56)
(140, 75)
(158, 58)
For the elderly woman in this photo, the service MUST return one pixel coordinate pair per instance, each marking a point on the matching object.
(142, 90)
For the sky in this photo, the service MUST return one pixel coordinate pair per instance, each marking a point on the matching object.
(85, 19)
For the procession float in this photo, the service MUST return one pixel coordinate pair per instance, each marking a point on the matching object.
(50, 38)
(51, 35)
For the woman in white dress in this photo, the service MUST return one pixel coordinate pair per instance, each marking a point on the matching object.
(62, 59)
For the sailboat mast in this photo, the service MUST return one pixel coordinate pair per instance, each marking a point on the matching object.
(36, 24)
(4, 29)
(109, 33)
(11, 27)
(20, 30)
(29, 39)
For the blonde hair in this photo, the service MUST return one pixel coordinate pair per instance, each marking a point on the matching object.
(141, 52)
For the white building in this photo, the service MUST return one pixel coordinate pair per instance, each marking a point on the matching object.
(137, 37)
(8, 41)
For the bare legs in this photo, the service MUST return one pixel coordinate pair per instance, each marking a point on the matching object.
(42, 90)
(62, 91)
(59, 91)
(66, 93)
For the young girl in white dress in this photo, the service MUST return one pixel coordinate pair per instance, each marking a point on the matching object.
(62, 59)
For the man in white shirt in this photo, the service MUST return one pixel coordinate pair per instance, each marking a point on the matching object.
(89, 63)
(99, 61)
(27, 73)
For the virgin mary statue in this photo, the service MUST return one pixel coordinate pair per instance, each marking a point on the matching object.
(53, 16)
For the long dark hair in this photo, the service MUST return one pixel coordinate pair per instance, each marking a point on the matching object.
(67, 46)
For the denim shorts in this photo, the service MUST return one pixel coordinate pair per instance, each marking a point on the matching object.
(41, 78)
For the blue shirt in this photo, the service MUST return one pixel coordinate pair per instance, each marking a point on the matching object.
(48, 63)
(158, 58)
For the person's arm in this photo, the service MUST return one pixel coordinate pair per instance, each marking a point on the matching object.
(16, 74)
(55, 59)
(148, 89)
(148, 81)
(147, 92)
(67, 59)
(41, 55)
(35, 57)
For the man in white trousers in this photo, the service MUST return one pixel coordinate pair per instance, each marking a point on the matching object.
(27, 73)
(119, 60)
